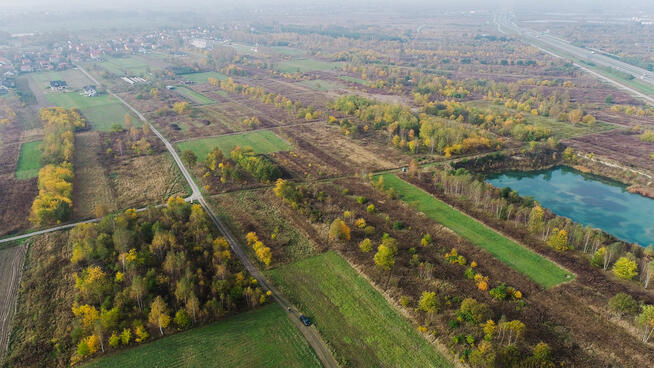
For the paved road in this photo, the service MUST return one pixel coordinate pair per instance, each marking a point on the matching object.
(56, 228)
(310, 333)
(563, 49)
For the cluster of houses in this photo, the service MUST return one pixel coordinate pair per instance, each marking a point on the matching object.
(61, 86)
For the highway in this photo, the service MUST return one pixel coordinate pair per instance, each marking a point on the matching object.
(561, 48)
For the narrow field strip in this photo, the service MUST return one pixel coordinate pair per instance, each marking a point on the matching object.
(194, 96)
(352, 316)
(29, 160)
(261, 141)
(531, 264)
(261, 338)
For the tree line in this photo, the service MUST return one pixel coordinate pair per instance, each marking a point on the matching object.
(54, 203)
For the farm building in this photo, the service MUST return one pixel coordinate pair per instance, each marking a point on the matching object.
(58, 85)
(89, 91)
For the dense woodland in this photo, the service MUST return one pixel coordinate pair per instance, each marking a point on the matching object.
(137, 276)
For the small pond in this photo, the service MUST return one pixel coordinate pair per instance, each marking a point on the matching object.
(587, 199)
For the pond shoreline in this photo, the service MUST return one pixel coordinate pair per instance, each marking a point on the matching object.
(586, 198)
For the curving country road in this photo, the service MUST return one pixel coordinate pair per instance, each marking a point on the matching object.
(310, 333)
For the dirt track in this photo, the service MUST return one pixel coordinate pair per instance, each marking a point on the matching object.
(11, 265)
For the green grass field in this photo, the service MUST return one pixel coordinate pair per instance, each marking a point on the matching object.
(321, 85)
(261, 338)
(560, 129)
(306, 65)
(131, 65)
(73, 77)
(29, 160)
(202, 77)
(194, 96)
(290, 51)
(101, 111)
(262, 141)
(352, 316)
(514, 255)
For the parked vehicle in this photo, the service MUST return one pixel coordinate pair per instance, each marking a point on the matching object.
(305, 320)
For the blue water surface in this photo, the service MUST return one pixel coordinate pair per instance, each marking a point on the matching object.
(587, 199)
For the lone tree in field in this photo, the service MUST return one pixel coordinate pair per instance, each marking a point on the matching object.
(189, 157)
(536, 220)
(181, 107)
(385, 256)
(339, 231)
(428, 303)
(158, 314)
(625, 268)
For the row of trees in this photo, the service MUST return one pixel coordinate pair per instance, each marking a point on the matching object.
(139, 273)
(275, 99)
(54, 204)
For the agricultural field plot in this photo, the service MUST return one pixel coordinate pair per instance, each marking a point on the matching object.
(16, 197)
(45, 299)
(262, 141)
(322, 85)
(536, 267)
(350, 155)
(91, 186)
(307, 65)
(131, 65)
(202, 77)
(260, 338)
(101, 111)
(289, 51)
(193, 96)
(559, 129)
(622, 145)
(11, 265)
(142, 180)
(352, 316)
(29, 160)
(259, 211)
(73, 77)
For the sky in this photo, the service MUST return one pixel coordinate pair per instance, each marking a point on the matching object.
(216, 4)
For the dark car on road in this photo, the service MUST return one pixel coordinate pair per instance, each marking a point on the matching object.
(305, 320)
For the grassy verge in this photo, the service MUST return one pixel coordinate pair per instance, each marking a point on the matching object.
(29, 160)
(352, 316)
(260, 338)
(194, 96)
(531, 264)
(262, 141)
